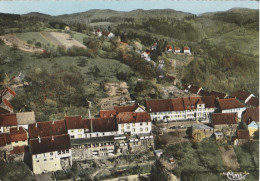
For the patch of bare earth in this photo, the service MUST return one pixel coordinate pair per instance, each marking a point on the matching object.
(177, 136)
(118, 94)
(62, 39)
(229, 158)
(12, 40)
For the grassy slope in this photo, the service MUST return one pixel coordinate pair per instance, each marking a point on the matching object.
(79, 36)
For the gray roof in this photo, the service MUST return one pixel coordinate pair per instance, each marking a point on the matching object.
(24, 118)
(200, 126)
(82, 141)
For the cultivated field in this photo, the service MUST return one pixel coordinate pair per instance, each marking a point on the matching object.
(62, 39)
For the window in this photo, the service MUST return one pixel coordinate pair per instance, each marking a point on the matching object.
(146, 129)
(127, 127)
(141, 129)
(133, 124)
(72, 136)
(37, 156)
(122, 130)
(37, 160)
(43, 154)
(16, 142)
(141, 124)
(45, 160)
(51, 158)
(72, 131)
(133, 130)
(51, 153)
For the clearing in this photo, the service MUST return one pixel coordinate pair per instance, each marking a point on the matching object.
(229, 158)
(12, 40)
(62, 39)
(117, 92)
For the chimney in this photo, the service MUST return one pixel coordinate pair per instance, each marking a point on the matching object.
(89, 115)
(91, 126)
(52, 138)
(17, 128)
(52, 121)
(39, 139)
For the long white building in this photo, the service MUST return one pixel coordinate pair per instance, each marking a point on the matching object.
(188, 108)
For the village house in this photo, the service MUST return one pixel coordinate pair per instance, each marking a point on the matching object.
(6, 105)
(133, 123)
(218, 95)
(146, 55)
(194, 89)
(76, 126)
(177, 50)
(225, 122)
(251, 117)
(169, 48)
(131, 108)
(181, 109)
(6, 122)
(7, 93)
(253, 102)
(242, 137)
(50, 153)
(231, 105)
(98, 33)
(25, 118)
(186, 50)
(13, 143)
(242, 95)
(154, 46)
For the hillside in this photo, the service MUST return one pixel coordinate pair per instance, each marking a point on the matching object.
(224, 45)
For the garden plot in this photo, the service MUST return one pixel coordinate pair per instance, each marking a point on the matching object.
(62, 39)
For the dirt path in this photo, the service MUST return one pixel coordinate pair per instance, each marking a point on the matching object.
(12, 40)
(229, 158)
(62, 39)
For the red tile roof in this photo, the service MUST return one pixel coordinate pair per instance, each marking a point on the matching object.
(224, 118)
(105, 33)
(18, 134)
(210, 101)
(241, 95)
(131, 108)
(186, 48)
(203, 93)
(177, 48)
(218, 94)
(253, 101)
(7, 103)
(194, 89)
(8, 120)
(229, 103)
(107, 113)
(11, 91)
(49, 128)
(250, 114)
(243, 134)
(74, 122)
(17, 150)
(47, 144)
(168, 47)
(102, 124)
(5, 139)
(160, 105)
(133, 117)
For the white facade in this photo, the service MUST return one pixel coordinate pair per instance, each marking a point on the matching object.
(145, 56)
(235, 110)
(100, 134)
(110, 35)
(51, 161)
(76, 133)
(200, 113)
(135, 128)
(186, 51)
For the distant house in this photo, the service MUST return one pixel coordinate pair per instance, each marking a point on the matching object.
(194, 89)
(177, 50)
(6, 105)
(224, 122)
(158, 153)
(251, 117)
(242, 137)
(131, 108)
(154, 46)
(242, 95)
(231, 105)
(203, 93)
(253, 102)
(218, 135)
(111, 35)
(98, 33)
(186, 50)
(218, 95)
(7, 93)
(169, 48)
(146, 55)
(25, 118)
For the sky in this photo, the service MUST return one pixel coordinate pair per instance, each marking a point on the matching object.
(58, 7)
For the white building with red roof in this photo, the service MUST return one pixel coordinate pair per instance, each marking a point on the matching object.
(186, 50)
